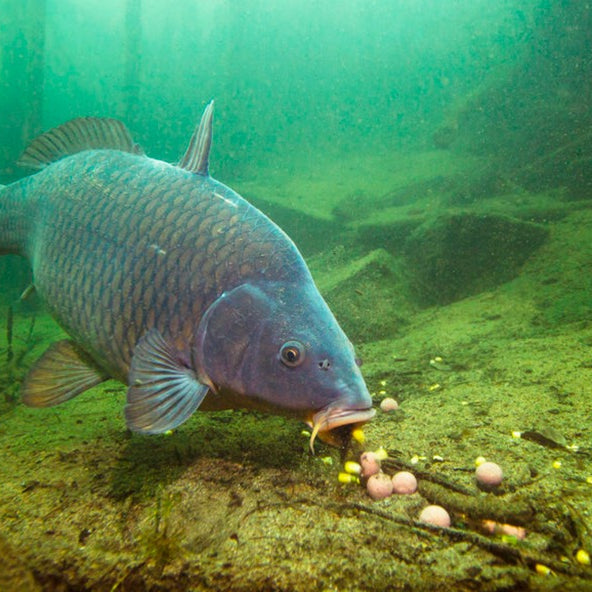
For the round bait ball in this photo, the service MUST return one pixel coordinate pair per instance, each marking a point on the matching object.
(379, 486)
(489, 474)
(389, 404)
(404, 483)
(370, 464)
(435, 515)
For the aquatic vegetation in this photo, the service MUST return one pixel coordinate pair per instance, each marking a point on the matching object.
(160, 540)
(13, 363)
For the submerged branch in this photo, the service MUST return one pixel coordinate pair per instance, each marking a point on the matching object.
(509, 553)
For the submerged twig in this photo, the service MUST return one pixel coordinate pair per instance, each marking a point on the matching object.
(510, 554)
(509, 508)
(439, 490)
(393, 463)
(514, 554)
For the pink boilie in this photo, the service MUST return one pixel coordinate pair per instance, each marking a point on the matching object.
(388, 404)
(404, 483)
(489, 474)
(379, 486)
(435, 515)
(370, 464)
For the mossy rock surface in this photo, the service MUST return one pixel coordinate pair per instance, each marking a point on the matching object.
(456, 255)
(368, 295)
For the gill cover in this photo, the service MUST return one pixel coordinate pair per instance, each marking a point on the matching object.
(227, 334)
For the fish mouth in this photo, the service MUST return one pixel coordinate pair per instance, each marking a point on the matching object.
(326, 420)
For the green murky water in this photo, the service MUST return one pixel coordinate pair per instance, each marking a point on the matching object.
(432, 161)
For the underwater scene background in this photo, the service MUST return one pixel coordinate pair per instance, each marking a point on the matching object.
(432, 160)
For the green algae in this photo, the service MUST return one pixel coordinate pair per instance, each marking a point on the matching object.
(160, 541)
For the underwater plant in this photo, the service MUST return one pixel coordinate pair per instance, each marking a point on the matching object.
(160, 540)
(15, 367)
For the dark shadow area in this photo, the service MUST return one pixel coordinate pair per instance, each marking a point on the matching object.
(149, 462)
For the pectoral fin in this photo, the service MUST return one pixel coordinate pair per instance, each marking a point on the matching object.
(60, 374)
(163, 393)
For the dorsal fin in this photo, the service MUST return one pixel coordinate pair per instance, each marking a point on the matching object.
(76, 135)
(197, 156)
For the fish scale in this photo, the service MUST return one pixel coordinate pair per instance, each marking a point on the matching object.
(169, 281)
(80, 256)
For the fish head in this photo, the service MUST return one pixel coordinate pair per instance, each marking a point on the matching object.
(279, 346)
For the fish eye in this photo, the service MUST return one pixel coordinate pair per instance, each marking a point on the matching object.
(292, 354)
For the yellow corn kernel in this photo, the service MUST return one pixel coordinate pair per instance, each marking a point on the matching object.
(556, 464)
(479, 461)
(347, 478)
(352, 467)
(358, 435)
(543, 570)
(381, 454)
(583, 557)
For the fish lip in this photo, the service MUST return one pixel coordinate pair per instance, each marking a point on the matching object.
(329, 418)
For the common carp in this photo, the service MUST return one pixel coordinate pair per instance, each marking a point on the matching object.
(170, 282)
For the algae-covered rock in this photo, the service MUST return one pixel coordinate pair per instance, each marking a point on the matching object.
(367, 295)
(455, 255)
